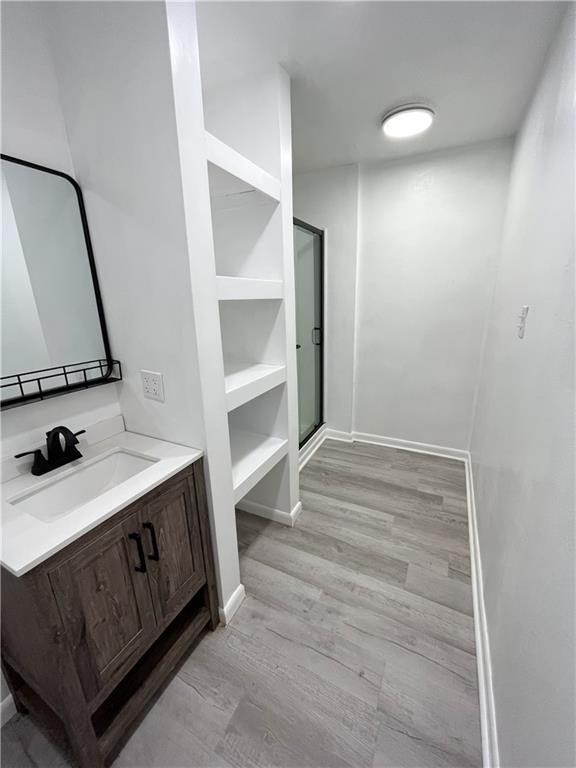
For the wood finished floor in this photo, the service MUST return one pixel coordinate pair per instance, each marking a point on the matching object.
(354, 647)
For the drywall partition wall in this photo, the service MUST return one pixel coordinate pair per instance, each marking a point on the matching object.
(33, 128)
(185, 66)
(113, 66)
(120, 69)
(430, 231)
(290, 473)
(329, 200)
(523, 439)
(32, 122)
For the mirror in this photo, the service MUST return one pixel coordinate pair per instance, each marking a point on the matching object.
(54, 335)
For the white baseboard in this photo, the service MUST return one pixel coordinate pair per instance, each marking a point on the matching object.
(488, 726)
(410, 445)
(306, 453)
(235, 601)
(7, 710)
(336, 434)
(396, 442)
(270, 513)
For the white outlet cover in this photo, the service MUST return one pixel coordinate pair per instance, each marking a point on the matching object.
(152, 385)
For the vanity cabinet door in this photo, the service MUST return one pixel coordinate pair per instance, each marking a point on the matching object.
(173, 548)
(105, 603)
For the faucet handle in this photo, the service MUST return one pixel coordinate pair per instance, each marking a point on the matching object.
(74, 439)
(39, 465)
(28, 453)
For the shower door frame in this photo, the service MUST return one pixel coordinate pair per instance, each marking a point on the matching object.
(321, 423)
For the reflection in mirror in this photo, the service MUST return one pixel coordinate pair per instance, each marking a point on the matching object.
(53, 333)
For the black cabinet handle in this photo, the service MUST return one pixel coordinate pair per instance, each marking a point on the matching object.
(138, 539)
(155, 551)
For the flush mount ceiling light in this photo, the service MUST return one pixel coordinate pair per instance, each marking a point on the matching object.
(406, 121)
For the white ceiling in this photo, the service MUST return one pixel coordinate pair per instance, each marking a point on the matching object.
(476, 63)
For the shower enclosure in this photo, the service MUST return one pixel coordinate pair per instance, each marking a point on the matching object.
(309, 278)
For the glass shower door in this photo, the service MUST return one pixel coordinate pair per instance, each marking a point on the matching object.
(308, 268)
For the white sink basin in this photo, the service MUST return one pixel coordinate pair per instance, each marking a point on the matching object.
(84, 481)
(42, 515)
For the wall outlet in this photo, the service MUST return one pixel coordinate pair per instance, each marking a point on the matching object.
(152, 385)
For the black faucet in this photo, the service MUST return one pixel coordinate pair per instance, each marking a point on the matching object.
(57, 455)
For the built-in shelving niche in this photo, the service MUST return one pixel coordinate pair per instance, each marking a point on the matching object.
(248, 239)
(258, 439)
(246, 216)
(268, 496)
(253, 349)
(247, 151)
(252, 332)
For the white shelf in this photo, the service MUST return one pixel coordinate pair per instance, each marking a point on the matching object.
(239, 176)
(245, 381)
(253, 456)
(245, 288)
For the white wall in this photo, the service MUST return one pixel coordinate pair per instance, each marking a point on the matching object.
(116, 95)
(32, 122)
(33, 129)
(118, 139)
(430, 231)
(523, 439)
(411, 249)
(329, 200)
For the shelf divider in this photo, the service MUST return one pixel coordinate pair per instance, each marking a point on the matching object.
(233, 163)
(245, 381)
(247, 288)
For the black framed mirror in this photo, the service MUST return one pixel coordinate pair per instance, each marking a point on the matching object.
(54, 338)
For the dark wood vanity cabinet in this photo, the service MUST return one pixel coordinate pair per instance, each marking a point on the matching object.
(93, 633)
(105, 605)
(175, 566)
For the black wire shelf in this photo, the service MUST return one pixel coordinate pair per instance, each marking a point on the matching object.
(50, 382)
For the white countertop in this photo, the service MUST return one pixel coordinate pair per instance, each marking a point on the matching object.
(28, 540)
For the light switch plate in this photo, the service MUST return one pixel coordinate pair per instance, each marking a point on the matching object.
(153, 385)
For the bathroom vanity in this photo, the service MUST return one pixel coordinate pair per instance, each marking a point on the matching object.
(107, 583)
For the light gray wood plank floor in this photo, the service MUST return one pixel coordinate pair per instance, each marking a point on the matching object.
(354, 647)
